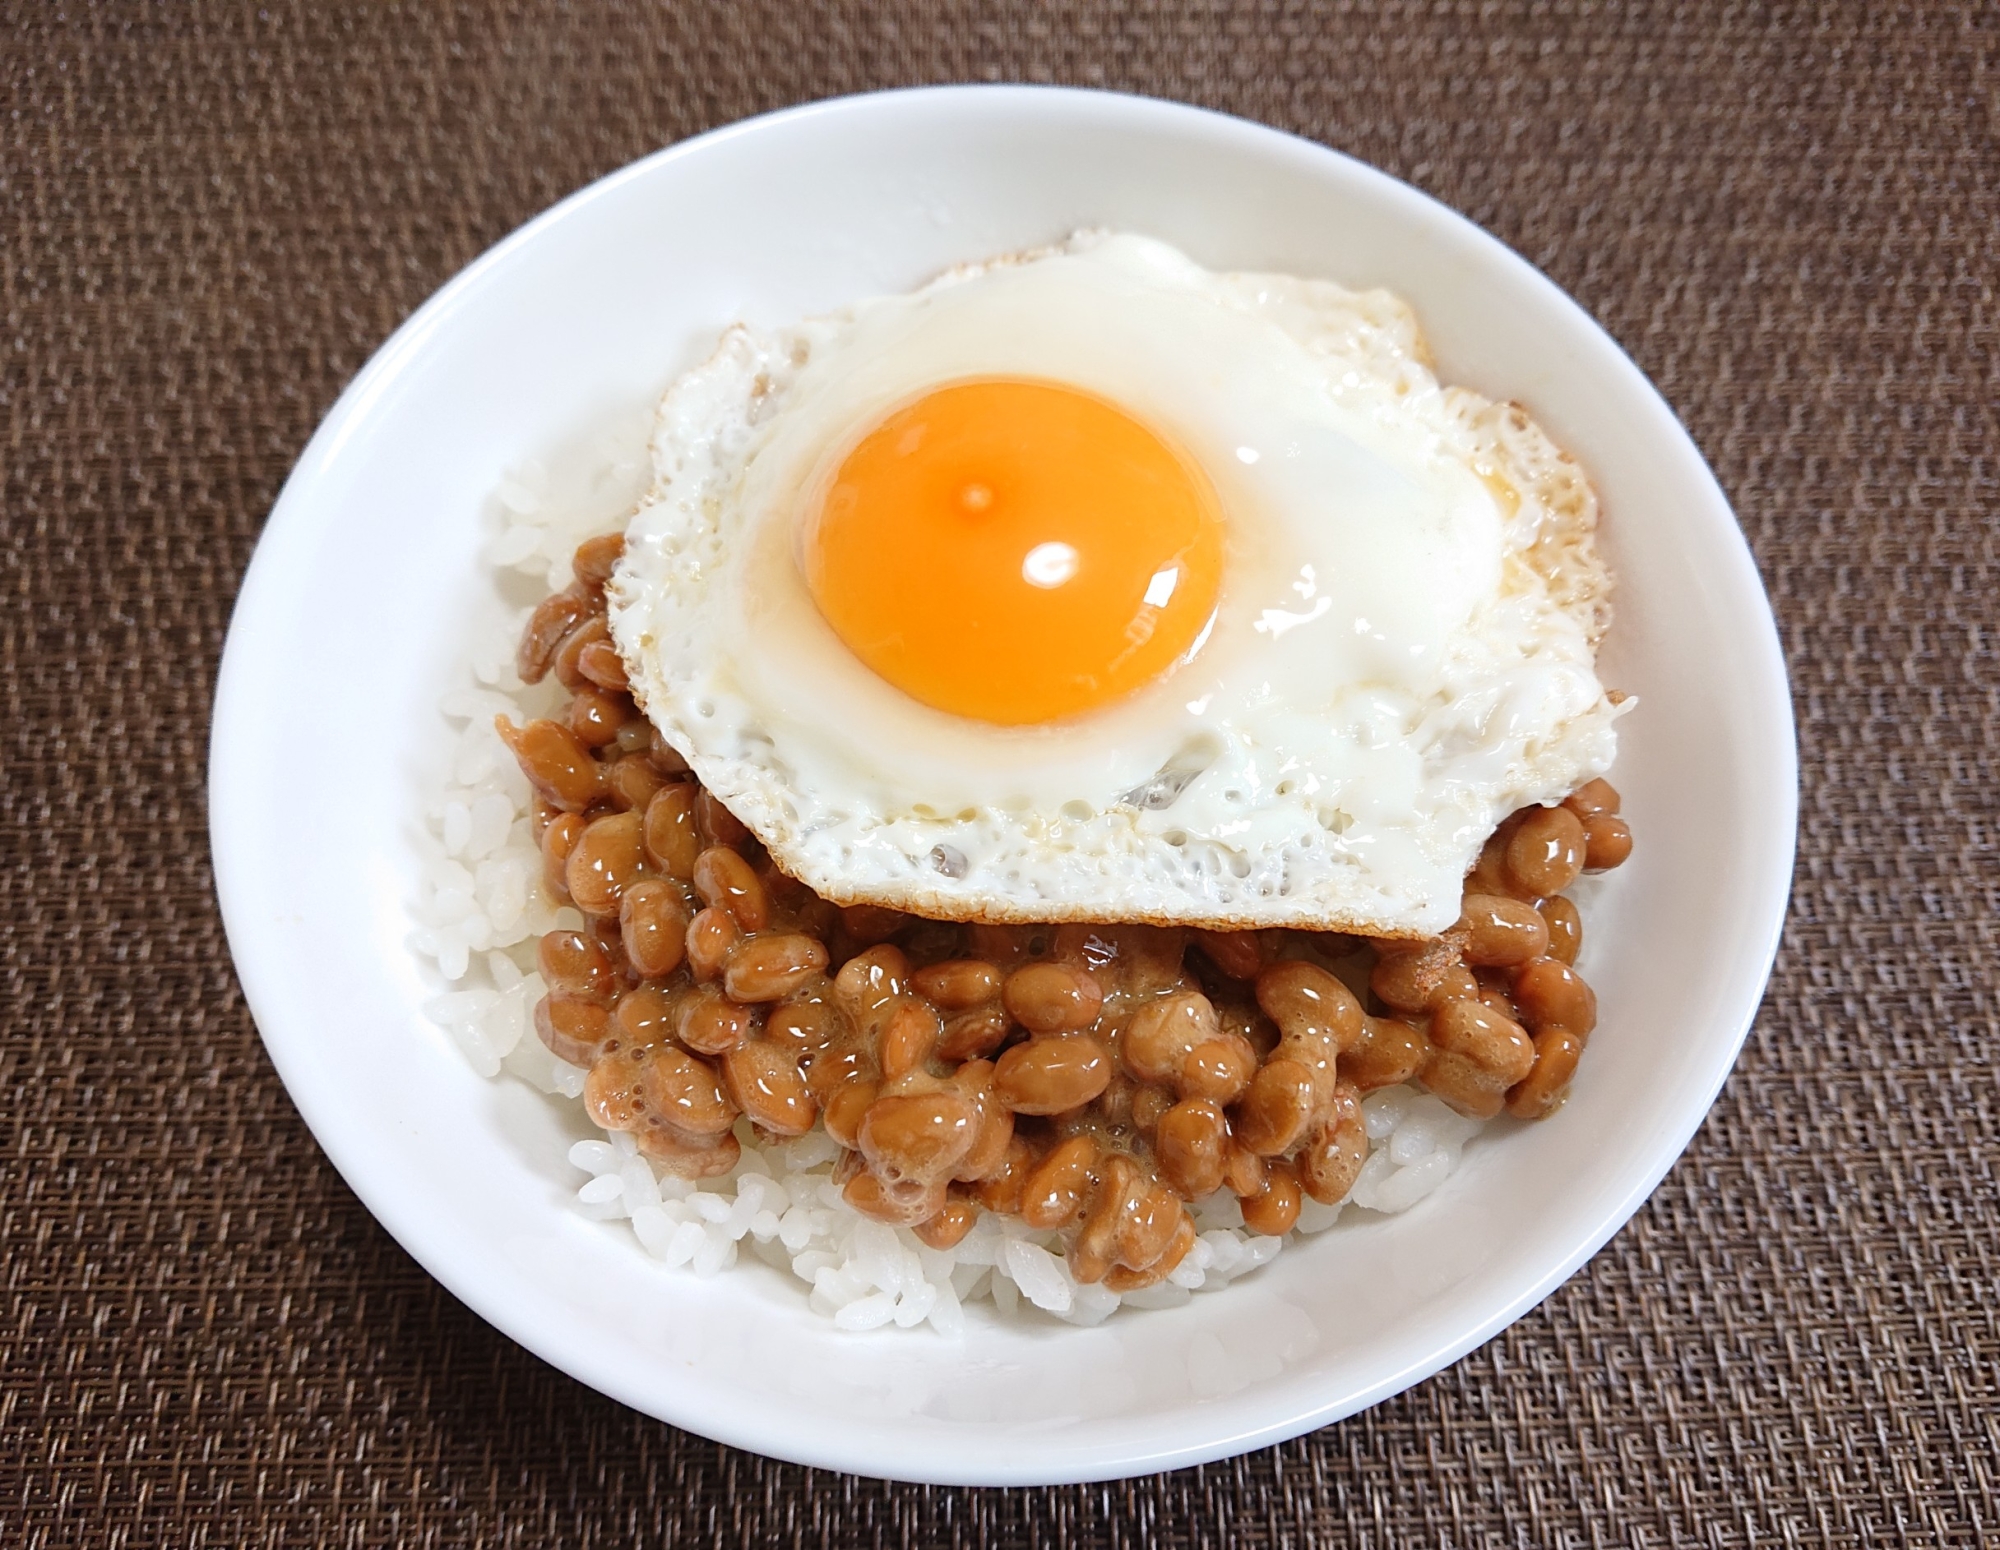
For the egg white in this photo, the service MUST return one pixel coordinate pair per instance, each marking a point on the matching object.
(1402, 650)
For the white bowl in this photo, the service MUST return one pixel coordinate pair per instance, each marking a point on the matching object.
(352, 621)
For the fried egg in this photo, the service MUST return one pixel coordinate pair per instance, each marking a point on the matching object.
(1089, 584)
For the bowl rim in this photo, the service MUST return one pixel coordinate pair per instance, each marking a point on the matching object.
(234, 863)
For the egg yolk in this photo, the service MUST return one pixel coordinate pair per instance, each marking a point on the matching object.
(1015, 551)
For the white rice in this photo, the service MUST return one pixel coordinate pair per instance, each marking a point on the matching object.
(482, 910)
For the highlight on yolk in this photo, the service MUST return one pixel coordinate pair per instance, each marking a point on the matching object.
(1015, 551)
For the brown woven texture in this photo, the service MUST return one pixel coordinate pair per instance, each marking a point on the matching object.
(213, 214)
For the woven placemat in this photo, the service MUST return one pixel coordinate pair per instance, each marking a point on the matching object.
(213, 214)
